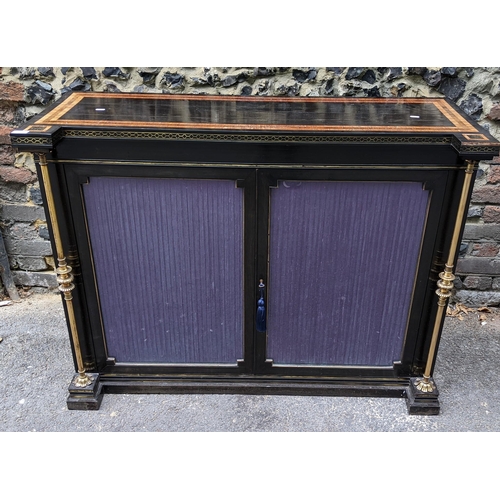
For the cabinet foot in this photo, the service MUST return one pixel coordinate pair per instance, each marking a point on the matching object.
(85, 398)
(422, 402)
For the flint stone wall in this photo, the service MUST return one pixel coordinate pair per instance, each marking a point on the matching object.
(24, 92)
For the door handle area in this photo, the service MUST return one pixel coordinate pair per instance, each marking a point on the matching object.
(261, 309)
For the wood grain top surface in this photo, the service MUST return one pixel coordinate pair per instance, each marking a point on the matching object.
(280, 114)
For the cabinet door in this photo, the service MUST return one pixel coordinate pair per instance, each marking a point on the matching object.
(340, 258)
(167, 253)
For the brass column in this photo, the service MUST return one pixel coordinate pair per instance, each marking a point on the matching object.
(64, 275)
(445, 284)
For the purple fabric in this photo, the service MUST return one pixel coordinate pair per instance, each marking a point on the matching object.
(168, 261)
(343, 259)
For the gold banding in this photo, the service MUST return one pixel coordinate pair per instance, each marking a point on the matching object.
(475, 137)
(445, 284)
(64, 275)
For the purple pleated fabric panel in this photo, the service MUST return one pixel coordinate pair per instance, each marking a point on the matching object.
(168, 260)
(343, 258)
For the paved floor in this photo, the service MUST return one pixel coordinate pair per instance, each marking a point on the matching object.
(35, 370)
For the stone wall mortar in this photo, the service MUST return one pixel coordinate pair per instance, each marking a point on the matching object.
(26, 91)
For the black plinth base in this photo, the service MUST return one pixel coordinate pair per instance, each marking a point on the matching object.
(85, 398)
(422, 403)
(90, 397)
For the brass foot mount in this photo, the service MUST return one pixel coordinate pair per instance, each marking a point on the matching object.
(82, 380)
(425, 384)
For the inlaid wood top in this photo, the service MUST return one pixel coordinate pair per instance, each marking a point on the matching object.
(257, 113)
(287, 115)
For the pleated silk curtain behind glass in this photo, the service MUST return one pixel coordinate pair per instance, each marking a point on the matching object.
(168, 263)
(343, 258)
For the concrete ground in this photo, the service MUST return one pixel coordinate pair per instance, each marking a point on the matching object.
(36, 368)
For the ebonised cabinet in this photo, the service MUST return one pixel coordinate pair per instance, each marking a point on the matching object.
(255, 245)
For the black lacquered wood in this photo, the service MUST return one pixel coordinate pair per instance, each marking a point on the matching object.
(255, 143)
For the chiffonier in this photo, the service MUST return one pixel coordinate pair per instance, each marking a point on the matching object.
(255, 245)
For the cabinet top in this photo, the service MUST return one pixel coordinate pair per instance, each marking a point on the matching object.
(274, 115)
